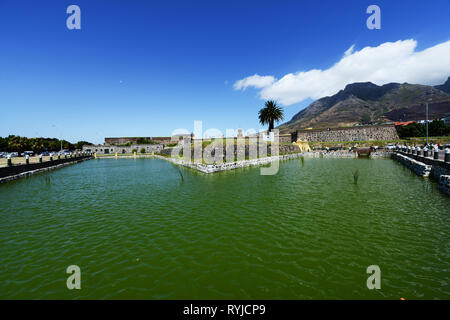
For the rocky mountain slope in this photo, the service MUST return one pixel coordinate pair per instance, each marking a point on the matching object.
(365, 102)
(444, 87)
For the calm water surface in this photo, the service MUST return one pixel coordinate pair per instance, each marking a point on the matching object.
(138, 232)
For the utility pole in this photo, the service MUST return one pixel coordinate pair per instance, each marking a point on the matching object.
(427, 120)
(428, 96)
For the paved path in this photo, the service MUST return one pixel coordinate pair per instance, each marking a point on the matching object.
(21, 160)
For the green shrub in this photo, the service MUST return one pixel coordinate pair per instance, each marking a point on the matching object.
(142, 150)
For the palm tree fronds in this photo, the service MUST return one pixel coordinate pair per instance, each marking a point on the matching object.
(270, 113)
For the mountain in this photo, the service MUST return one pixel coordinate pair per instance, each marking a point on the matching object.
(365, 102)
(444, 87)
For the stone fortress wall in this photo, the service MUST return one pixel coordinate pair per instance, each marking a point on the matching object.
(123, 145)
(108, 149)
(134, 140)
(123, 140)
(360, 133)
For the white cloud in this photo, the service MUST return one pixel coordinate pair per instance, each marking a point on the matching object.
(389, 62)
(255, 81)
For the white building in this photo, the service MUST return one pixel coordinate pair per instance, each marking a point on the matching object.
(106, 149)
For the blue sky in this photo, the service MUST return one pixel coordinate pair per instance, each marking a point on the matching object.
(145, 68)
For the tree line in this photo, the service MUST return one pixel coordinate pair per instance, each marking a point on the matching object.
(20, 144)
(436, 128)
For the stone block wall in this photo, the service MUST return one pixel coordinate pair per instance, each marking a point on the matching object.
(444, 184)
(105, 149)
(166, 140)
(123, 140)
(438, 167)
(233, 149)
(366, 133)
(133, 140)
(20, 169)
(437, 172)
(211, 168)
(419, 168)
(283, 138)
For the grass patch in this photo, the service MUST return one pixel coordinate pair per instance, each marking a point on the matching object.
(380, 143)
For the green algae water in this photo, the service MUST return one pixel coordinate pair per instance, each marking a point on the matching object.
(138, 231)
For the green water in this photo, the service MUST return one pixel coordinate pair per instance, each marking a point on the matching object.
(138, 232)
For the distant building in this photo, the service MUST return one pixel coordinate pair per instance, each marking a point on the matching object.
(108, 149)
(424, 121)
(128, 144)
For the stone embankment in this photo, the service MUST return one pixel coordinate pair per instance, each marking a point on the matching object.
(380, 154)
(438, 167)
(444, 184)
(342, 154)
(330, 154)
(211, 150)
(20, 171)
(426, 166)
(419, 168)
(210, 168)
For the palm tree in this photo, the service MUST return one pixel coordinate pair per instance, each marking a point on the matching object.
(270, 113)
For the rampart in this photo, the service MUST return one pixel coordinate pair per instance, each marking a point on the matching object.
(360, 133)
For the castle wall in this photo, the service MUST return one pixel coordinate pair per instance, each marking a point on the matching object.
(105, 149)
(123, 140)
(134, 140)
(366, 133)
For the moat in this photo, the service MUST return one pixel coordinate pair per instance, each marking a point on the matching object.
(138, 230)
